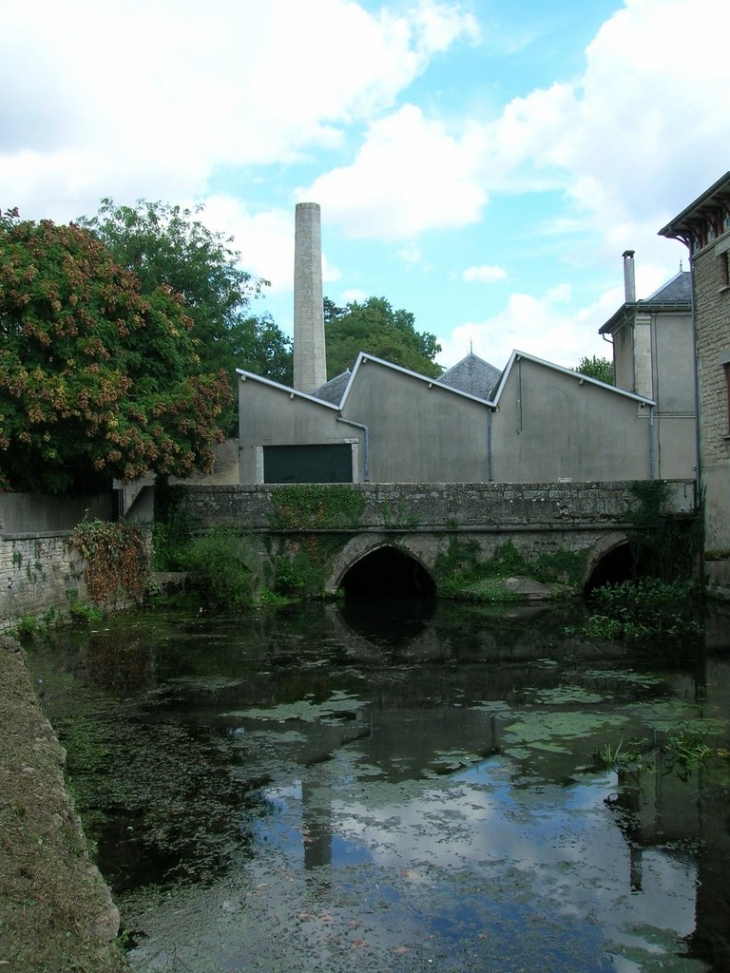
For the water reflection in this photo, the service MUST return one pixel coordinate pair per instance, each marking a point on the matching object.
(409, 788)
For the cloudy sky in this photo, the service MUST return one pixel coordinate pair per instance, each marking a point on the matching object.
(481, 163)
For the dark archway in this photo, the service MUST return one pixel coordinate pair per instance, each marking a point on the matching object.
(388, 573)
(616, 566)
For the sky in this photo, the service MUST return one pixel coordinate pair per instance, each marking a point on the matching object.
(483, 164)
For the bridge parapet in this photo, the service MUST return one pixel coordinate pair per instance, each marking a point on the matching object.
(432, 506)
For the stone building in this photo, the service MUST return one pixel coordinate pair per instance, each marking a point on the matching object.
(704, 227)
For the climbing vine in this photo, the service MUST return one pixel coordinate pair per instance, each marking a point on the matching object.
(663, 545)
(116, 559)
(310, 505)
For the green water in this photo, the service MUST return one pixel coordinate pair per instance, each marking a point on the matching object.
(388, 787)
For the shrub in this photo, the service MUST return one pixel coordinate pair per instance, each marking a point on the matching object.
(222, 570)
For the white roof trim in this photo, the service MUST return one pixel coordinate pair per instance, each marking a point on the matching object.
(517, 355)
(246, 376)
(363, 358)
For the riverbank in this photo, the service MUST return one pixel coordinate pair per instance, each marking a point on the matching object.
(56, 912)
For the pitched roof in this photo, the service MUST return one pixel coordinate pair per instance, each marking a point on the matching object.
(678, 290)
(472, 375)
(675, 295)
(333, 390)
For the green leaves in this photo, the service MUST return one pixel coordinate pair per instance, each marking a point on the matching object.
(97, 380)
(374, 327)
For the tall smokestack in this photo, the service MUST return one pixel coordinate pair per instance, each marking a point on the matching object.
(629, 277)
(310, 363)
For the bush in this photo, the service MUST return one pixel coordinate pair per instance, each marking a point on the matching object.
(222, 570)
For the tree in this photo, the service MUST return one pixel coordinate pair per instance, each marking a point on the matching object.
(97, 380)
(168, 245)
(593, 367)
(373, 326)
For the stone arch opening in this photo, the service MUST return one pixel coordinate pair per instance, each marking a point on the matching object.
(388, 573)
(612, 567)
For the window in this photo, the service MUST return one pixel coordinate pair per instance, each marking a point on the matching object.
(726, 370)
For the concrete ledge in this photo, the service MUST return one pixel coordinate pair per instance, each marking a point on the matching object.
(55, 907)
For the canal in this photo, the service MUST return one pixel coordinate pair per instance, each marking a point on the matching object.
(398, 786)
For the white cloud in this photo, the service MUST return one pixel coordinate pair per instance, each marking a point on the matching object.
(633, 140)
(410, 176)
(486, 274)
(148, 97)
(549, 327)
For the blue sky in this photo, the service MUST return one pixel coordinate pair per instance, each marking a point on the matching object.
(481, 163)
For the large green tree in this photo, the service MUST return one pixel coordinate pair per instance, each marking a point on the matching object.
(168, 245)
(374, 327)
(97, 379)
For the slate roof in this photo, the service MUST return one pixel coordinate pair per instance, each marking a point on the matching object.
(675, 294)
(333, 390)
(676, 291)
(472, 375)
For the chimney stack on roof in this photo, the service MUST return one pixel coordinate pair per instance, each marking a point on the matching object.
(629, 277)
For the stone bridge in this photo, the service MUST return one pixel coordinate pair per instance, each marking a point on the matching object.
(375, 535)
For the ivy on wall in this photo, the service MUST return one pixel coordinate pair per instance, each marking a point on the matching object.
(313, 506)
(663, 545)
(116, 556)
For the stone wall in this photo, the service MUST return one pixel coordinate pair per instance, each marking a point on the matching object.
(712, 310)
(440, 505)
(712, 314)
(38, 573)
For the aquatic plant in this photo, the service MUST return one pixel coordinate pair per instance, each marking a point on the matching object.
(686, 749)
(633, 756)
(683, 751)
(638, 611)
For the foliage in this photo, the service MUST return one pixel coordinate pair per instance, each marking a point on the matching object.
(97, 380)
(26, 627)
(116, 559)
(463, 572)
(375, 328)
(166, 245)
(686, 749)
(663, 545)
(632, 756)
(596, 367)
(299, 572)
(637, 611)
(173, 528)
(222, 568)
(83, 613)
(316, 506)
(683, 751)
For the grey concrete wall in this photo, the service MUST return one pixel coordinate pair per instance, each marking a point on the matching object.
(39, 513)
(419, 431)
(271, 416)
(551, 427)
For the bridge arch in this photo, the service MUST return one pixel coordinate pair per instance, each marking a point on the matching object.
(375, 567)
(609, 561)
